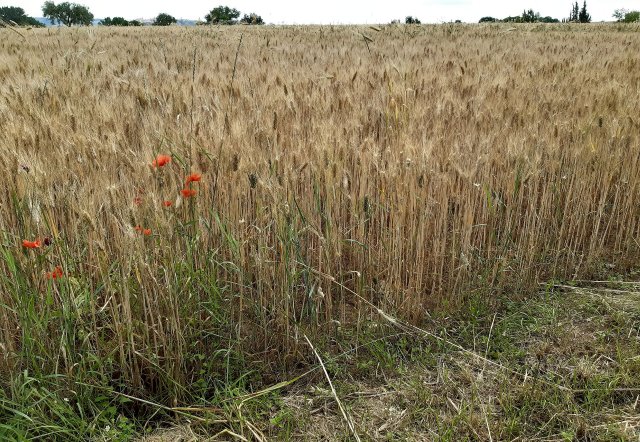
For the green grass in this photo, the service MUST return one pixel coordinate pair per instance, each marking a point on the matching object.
(565, 365)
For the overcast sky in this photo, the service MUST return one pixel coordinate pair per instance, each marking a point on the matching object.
(340, 11)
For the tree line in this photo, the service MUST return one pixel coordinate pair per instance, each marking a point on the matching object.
(576, 15)
(70, 14)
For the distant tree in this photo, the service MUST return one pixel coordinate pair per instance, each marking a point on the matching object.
(395, 22)
(530, 16)
(411, 21)
(583, 16)
(513, 19)
(575, 13)
(222, 15)
(13, 14)
(164, 20)
(115, 21)
(626, 16)
(632, 17)
(135, 23)
(252, 19)
(119, 21)
(487, 20)
(619, 14)
(68, 14)
(458, 21)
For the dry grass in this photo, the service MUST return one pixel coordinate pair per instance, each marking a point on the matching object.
(418, 169)
(568, 371)
(580, 355)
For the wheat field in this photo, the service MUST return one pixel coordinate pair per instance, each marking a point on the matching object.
(343, 170)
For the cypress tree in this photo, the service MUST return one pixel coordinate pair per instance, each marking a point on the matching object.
(575, 12)
(584, 16)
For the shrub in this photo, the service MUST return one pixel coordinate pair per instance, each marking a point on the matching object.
(164, 20)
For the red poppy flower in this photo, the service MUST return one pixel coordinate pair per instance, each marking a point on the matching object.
(31, 244)
(167, 203)
(137, 201)
(188, 193)
(194, 177)
(142, 230)
(56, 274)
(161, 161)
